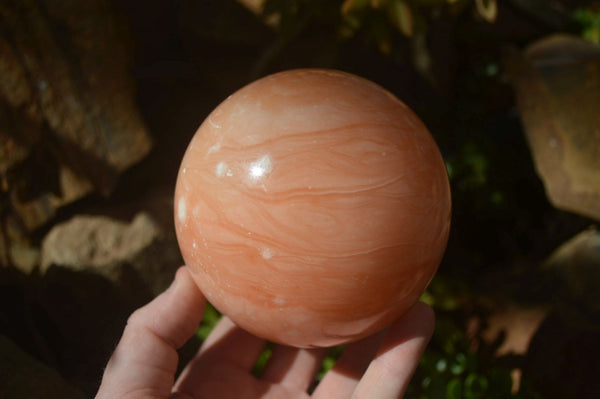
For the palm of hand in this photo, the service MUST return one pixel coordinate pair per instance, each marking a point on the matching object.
(222, 368)
(145, 361)
(229, 381)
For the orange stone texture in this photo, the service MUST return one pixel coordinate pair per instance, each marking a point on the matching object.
(312, 207)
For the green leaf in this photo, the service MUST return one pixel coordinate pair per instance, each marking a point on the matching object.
(262, 360)
(350, 6)
(435, 387)
(454, 389)
(500, 382)
(487, 9)
(401, 16)
(459, 365)
(476, 386)
(329, 361)
(441, 365)
(209, 320)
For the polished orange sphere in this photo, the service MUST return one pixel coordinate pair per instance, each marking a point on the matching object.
(312, 207)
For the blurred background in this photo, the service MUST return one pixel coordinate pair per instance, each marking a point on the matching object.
(99, 98)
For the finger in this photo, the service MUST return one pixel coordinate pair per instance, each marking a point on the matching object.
(145, 360)
(230, 344)
(342, 379)
(390, 372)
(228, 348)
(293, 368)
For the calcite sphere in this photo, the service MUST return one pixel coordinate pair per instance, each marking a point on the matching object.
(312, 207)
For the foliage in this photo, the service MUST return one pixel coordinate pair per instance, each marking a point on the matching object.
(451, 369)
(461, 364)
(384, 23)
(378, 17)
(209, 321)
(589, 20)
(407, 16)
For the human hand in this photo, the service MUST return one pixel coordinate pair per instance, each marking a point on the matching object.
(145, 360)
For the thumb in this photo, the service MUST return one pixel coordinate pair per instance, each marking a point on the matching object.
(145, 361)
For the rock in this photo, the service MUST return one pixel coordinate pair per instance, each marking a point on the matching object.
(106, 246)
(83, 316)
(518, 325)
(510, 329)
(36, 211)
(22, 376)
(96, 270)
(96, 242)
(24, 257)
(564, 357)
(67, 98)
(557, 83)
(12, 152)
(576, 268)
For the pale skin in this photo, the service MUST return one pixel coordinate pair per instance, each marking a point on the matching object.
(145, 360)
